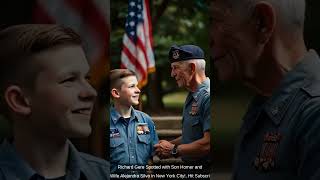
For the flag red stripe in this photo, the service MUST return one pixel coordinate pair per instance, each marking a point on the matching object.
(127, 64)
(149, 22)
(134, 61)
(143, 48)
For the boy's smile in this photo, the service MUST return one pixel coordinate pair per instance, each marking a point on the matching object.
(129, 91)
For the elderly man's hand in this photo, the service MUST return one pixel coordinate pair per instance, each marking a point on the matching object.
(163, 149)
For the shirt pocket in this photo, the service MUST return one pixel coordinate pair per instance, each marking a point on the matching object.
(195, 120)
(144, 149)
(145, 139)
(196, 128)
(117, 150)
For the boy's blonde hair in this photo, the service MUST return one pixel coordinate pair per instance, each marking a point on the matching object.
(116, 76)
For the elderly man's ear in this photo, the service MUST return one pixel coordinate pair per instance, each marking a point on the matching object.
(192, 67)
(17, 100)
(264, 19)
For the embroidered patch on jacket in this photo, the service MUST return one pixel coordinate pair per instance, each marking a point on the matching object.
(265, 159)
(194, 109)
(142, 128)
(114, 132)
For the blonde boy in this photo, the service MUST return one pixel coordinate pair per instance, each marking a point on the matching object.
(132, 132)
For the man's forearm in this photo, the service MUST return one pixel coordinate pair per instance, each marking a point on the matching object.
(197, 148)
(176, 141)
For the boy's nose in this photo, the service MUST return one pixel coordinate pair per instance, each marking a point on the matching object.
(88, 92)
(137, 90)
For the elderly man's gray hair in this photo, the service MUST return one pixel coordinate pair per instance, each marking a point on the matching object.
(200, 64)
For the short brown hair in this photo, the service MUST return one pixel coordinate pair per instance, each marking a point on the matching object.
(116, 76)
(19, 43)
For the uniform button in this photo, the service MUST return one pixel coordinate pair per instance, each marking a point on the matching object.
(132, 157)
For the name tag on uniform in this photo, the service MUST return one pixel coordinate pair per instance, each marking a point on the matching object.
(265, 159)
(142, 128)
(114, 132)
(194, 109)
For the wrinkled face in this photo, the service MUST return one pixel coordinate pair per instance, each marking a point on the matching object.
(232, 42)
(62, 100)
(129, 91)
(182, 73)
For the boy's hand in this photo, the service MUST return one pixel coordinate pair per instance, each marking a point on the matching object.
(163, 149)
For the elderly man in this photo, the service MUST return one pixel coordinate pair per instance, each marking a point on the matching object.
(260, 42)
(188, 68)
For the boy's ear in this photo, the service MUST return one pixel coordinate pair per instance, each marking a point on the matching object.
(115, 93)
(17, 101)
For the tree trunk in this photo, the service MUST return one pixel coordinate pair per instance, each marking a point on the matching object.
(154, 94)
(154, 89)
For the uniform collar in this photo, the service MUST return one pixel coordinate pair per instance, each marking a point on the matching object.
(115, 116)
(305, 71)
(205, 85)
(76, 164)
(14, 163)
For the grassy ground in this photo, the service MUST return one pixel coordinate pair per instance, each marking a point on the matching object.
(173, 103)
(175, 100)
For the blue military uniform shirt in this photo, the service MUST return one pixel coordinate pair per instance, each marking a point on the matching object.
(131, 141)
(196, 116)
(80, 166)
(280, 135)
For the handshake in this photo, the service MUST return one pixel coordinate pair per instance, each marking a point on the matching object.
(164, 149)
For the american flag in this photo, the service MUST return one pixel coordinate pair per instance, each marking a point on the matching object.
(137, 53)
(89, 18)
